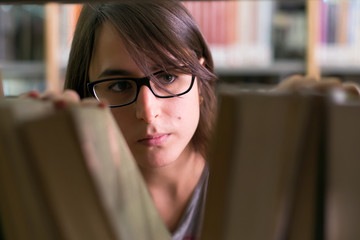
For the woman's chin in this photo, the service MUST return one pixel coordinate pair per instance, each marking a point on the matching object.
(153, 164)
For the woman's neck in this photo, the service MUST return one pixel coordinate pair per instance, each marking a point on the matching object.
(171, 186)
(187, 168)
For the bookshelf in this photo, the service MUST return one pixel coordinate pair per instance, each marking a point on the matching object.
(21, 47)
(34, 45)
(317, 46)
(252, 41)
(299, 36)
(264, 40)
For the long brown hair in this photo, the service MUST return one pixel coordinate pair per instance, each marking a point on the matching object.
(161, 31)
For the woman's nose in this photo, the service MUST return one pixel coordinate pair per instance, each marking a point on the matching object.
(147, 105)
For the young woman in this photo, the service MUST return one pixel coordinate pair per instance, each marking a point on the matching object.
(150, 63)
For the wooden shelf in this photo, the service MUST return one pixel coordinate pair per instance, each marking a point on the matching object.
(19, 69)
(278, 68)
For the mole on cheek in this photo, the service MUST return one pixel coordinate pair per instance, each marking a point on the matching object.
(179, 118)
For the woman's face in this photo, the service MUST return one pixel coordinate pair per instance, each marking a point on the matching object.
(157, 130)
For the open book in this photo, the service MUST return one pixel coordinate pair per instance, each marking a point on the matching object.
(69, 174)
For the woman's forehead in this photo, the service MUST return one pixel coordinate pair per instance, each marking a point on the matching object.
(106, 34)
(111, 56)
(111, 52)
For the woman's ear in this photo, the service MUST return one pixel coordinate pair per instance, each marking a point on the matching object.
(202, 61)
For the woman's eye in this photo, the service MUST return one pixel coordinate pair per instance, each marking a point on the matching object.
(119, 86)
(167, 78)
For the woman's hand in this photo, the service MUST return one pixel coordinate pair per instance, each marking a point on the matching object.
(63, 99)
(300, 83)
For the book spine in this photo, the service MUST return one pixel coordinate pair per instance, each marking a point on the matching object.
(324, 21)
(265, 13)
(332, 24)
(342, 23)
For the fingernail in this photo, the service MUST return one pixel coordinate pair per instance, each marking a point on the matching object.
(102, 105)
(60, 104)
(33, 94)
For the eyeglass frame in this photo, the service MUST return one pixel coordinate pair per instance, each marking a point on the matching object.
(144, 81)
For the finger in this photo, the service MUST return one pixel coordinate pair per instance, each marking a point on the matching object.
(326, 84)
(295, 82)
(334, 79)
(71, 95)
(32, 94)
(352, 88)
(94, 102)
(61, 100)
(49, 95)
(60, 103)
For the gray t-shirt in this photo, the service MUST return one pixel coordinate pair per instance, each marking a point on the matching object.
(190, 224)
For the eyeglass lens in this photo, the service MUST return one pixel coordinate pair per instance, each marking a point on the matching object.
(123, 91)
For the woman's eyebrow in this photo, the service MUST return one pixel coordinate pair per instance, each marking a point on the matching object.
(114, 72)
(119, 72)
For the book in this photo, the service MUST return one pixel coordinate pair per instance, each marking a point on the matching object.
(306, 219)
(19, 195)
(338, 42)
(257, 161)
(1, 85)
(342, 209)
(89, 182)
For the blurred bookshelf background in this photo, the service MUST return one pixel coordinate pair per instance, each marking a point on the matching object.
(34, 45)
(253, 42)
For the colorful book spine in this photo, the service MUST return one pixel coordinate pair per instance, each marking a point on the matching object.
(238, 32)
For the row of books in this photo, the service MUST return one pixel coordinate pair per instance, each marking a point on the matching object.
(338, 37)
(21, 32)
(293, 176)
(238, 32)
(68, 174)
(289, 34)
(258, 33)
(25, 34)
(339, 22)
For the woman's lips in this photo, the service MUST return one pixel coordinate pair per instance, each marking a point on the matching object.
(154, 140)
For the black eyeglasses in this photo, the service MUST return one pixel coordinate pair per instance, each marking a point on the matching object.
(119, 92)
